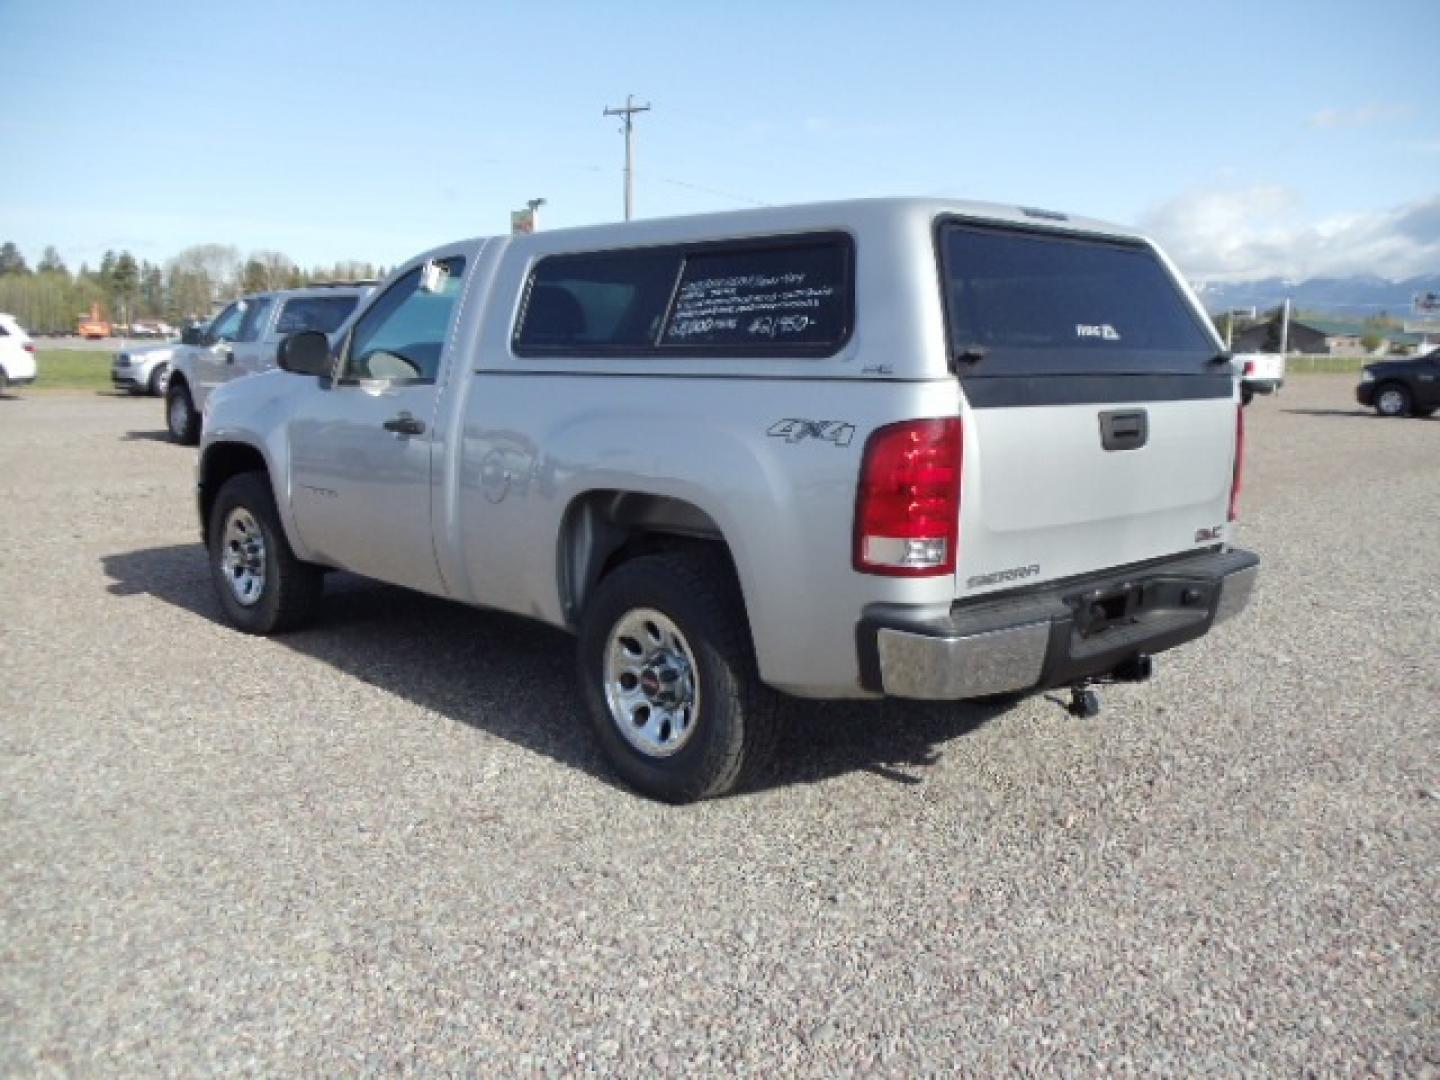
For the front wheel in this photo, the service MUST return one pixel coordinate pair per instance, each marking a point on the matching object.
(181, 419)
(263, 588)
(1392, 399)
(670, 681)
(159, 381)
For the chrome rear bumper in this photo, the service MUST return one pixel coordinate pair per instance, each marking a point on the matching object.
(1035, 639)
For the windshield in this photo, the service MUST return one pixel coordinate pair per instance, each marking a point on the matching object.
(1023, 302)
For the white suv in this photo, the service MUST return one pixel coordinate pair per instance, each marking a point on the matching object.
(17, 354)
(242, 340)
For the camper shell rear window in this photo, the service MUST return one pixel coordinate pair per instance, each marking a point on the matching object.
(1031, 301)
(775, 296)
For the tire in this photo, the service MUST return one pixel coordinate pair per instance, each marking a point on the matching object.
(181, 419)
(280, 592)
(159, 380)
(702, 654)
(1392, 399)
(1246, 395)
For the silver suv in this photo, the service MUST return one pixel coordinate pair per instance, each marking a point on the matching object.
(922, 449)
(241, 340)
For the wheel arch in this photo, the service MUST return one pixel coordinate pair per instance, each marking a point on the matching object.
(219, 461)
(602, 529)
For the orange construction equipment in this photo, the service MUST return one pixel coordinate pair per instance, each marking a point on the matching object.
(92, 325)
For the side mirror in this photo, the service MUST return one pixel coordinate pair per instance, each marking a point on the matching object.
(192, 335)
(305, 353)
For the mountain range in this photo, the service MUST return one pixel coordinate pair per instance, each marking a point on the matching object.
(1356, 296)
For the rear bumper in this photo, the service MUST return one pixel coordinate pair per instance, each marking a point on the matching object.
(1036, 639)
(19, 380)
(1263, 386)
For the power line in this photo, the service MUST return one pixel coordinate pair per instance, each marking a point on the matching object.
(628, 111)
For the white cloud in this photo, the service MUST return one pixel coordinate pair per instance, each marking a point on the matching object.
(1358, 116)
(1256, 232)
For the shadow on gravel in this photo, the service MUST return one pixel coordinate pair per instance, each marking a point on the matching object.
(515, 678)
(1351, 414)
(146, 436)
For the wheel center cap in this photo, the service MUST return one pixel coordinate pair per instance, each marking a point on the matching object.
(650, 683)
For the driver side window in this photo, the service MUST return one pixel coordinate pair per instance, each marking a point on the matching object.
(401, 337)
(227, 323)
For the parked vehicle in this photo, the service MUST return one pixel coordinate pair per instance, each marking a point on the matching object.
(17, 354)
(153, 328)
(241, 340)
(93, 326)
(1406, 387)
(923, 449)
(1260, 373)
(143, 369)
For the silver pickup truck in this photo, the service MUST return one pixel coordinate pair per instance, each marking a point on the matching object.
(241, 340)
(932, 450)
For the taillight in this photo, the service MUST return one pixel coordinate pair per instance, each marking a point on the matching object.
(1249, 367)
(28, 347)
(1239, 463)
(907, 514)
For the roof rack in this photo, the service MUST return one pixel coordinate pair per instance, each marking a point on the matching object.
(340, 284)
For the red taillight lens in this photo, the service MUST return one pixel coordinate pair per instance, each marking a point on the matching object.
(28, 347)
(907, 515)
(1249, 367)
(1239, 463)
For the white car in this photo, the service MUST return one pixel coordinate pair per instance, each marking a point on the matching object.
(17, 354)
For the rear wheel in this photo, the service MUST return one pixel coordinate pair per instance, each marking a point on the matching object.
(1392, 399)
(181, 419)
(263, 588)
(670, 681)
(1246, 395)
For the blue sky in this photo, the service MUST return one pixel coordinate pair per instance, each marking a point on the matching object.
(1288, 138)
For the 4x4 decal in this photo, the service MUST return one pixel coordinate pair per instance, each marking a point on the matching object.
(792, 431)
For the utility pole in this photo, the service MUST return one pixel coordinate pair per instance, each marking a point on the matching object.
(628, 111)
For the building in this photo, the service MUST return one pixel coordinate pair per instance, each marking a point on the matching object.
(1264, 337)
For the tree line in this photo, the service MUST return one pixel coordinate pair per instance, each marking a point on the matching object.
(49, 299)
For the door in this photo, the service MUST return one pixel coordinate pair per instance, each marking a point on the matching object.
(210, 360)
(1101, 422)
(247, 353)
(1427, 382)
(360, 450)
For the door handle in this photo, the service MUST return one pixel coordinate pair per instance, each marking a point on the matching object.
(405, 424)
(1124, 429)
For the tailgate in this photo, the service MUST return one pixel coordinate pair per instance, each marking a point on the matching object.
(1099, 426)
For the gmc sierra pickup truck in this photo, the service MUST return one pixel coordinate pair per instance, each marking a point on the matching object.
(241, 340)
(932, 450)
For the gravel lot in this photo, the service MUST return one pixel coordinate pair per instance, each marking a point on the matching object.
(387, 844)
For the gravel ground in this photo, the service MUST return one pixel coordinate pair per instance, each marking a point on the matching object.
(387, 844)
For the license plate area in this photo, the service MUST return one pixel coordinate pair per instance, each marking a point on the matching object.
(1129, 602)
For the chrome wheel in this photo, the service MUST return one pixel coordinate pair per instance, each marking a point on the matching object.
(650, 683)
(1391, 402)
(179, 414)
(242, 556)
